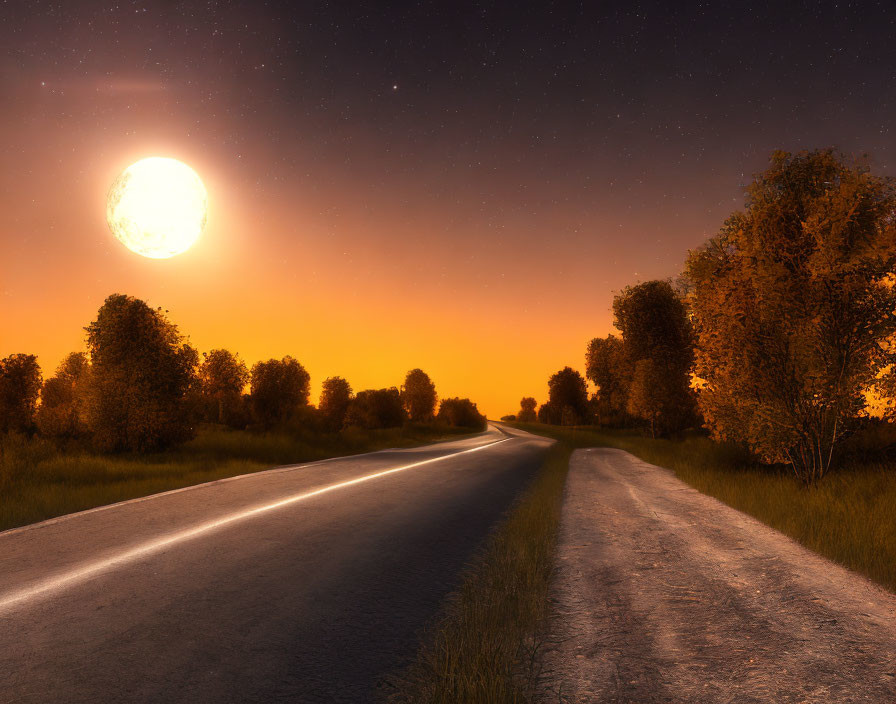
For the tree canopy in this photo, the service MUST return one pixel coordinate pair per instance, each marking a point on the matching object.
(419, 395)
(568, 395)
(335, 399)
(653, 320)
(607, 366)
(279, 387)
(222, 377)
(461, 413)
(527, 410)
(20, 382)
(793, 304)
(141, 371)
(62, 411)
(377, 408)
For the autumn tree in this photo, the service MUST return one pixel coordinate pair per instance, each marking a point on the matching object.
(419, 395)
(63, 409)
(335, 399)
(793, 302)
(568, 396)
(141, 371)
(527, 410)
(548, 414)
(278, 388)
(653, 320)
(377, 408)
(20, 382)
(647, 393)
(461, 413)
(607, 366)
(222, 377)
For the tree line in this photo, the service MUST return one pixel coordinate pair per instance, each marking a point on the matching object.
(776, 333)
(141, 386)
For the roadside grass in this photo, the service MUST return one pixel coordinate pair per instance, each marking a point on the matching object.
(849, 517)
(40, 480)
(485, 646)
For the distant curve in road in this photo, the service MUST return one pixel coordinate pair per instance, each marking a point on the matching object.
(305, 584)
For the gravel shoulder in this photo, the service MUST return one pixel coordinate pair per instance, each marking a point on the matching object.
(663, 594)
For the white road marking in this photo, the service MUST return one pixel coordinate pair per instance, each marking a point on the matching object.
(80, 574)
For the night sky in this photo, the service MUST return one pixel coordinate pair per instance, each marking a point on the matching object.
(456, 186)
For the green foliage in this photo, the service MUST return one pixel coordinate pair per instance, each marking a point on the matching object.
(527, 410)
(63, 399)
(278, 389)
(141, 371)
(568, 395)
(461, 413)
(20, 382)
(222, 376)
(658, 353)
(419, 395)
(793, 305)
(376, 408)
(335, 399)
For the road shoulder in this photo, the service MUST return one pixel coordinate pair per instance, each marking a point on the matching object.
(663, 594)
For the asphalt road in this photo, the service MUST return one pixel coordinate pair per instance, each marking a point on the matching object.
(664, 594)
(302, 584)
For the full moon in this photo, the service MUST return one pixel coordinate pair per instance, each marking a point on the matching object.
(157, 207)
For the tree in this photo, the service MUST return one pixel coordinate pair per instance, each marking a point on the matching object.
(527, 410)
(278, 389)
(653, 320)
(222, 377)
(141, 371)
(608, 367)
(568, 395)
(793, 305)
(334, 401)
(377, 408)
(647, 393)
(419, 395)
(20, 382)
(548, 414)
(461, 413)
(63, 410)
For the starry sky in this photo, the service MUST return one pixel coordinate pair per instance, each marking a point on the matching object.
(451, 185)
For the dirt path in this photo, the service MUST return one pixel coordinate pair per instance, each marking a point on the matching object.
(664, 594)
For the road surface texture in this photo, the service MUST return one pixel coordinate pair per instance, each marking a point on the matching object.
(664, 594)
(255, 589)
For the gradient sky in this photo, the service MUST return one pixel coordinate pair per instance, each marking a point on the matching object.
(455, 186)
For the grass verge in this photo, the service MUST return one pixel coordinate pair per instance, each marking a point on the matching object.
(39, 480)
(848, 517)
(485, 646)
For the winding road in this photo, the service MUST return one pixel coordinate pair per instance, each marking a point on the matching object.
(310, 583)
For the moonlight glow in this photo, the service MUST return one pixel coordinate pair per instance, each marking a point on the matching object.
(157, 207)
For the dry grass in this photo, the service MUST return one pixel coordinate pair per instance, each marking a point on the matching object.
(485, 647)
(849, 517)
(39, 480)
